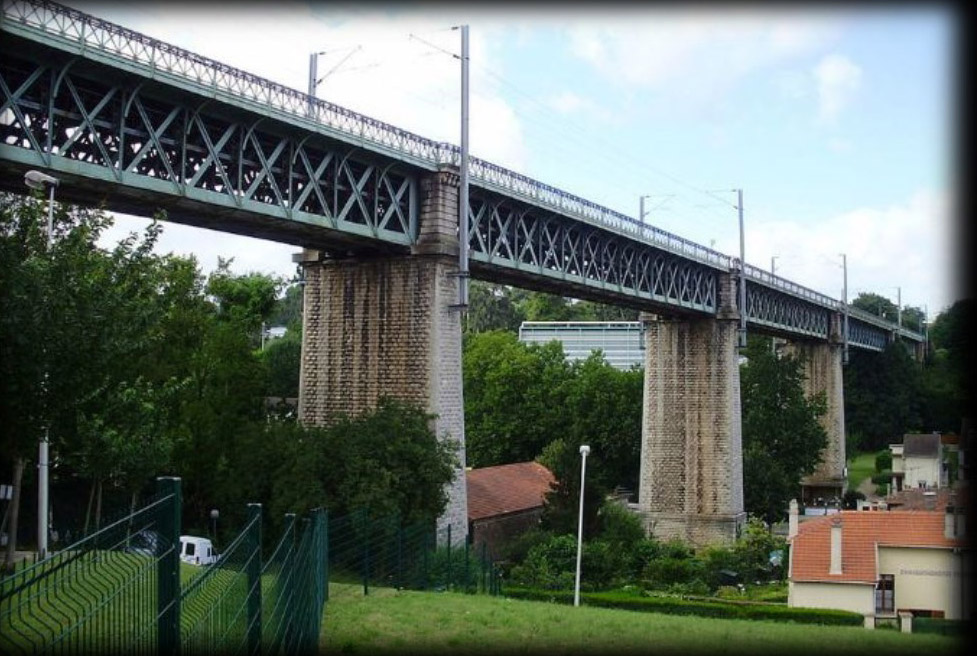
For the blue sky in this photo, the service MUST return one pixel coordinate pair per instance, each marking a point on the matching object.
(837, 123)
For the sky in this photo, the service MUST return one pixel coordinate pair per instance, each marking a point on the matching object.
(837, 123)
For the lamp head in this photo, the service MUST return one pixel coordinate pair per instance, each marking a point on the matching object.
(37, 180)
(584, 449)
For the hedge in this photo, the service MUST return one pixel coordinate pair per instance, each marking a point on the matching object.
(743, 610)
(940, 626)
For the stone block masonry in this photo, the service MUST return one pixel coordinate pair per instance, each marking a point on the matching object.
(691, 480)
(385, 326)
(823, 373)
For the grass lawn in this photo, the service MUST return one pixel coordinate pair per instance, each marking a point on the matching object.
(861, 467)
(390, 621)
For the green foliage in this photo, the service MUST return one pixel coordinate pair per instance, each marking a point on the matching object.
(287, 310)
(514, 398)
(882, 394)
(605, 406)
(249, 298)
(883, 460)
(782, 436)
(876, 304)
(282, 359)
(386, 461)
(491, 307)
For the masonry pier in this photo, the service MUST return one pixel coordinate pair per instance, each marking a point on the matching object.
(385, 325)
(822, 362)
(691, 481)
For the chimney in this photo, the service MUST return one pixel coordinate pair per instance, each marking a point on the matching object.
(835, 567)
(953, 522)
(792, 519)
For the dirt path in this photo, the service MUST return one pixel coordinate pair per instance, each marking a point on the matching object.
(867, 487)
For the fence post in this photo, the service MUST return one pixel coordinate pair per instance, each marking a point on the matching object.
(168, 567)
(325, 553)
(400, 554)
(482, 570)
(450, 578)
(365, 535)
(254, 578)
(289, 574)
(466, 567)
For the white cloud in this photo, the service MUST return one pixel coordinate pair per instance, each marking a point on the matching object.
(910, 245)
(838, 79)
(249, 254)
(695, 54)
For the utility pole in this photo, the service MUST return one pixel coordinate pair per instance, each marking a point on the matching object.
(742, 302)
(463, 178)
(641, 212)
(899, 306)
(773, 265)
(315, 80)
(844, 294)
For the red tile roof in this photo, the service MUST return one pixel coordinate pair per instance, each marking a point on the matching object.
(506, 488)
(862, 531)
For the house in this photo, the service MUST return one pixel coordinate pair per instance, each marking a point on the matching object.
(918, 462)
(881, 564)
(504, 501)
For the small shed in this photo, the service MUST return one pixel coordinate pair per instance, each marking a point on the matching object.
(505, 501)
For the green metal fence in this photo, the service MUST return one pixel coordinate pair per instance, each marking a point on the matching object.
(123, 590)
(384, 552)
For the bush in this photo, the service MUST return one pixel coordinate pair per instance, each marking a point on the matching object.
(883, 461)
(680, 606)
(882, 478)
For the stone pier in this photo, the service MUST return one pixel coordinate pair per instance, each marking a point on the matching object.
(691, 481)
(385, 326)
(823, 373)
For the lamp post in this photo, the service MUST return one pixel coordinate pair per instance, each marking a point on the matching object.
(37, 180)
(584, 451)
(214, 514)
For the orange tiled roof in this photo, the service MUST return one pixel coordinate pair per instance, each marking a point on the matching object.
(506, 488)
(861, 532)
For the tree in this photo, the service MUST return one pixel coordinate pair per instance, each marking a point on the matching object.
(386, 461)
(782, 437)
(492, 307)
(514, 398)
(604, 409)
(76, 324)
(249, 299)
(876, 304)
(882, 395)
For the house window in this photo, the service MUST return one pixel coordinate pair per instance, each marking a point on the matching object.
(885, 594)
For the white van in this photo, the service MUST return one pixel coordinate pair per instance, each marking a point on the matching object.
(197, 551)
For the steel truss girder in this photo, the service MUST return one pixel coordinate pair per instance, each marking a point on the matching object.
(866, 336)
(509, 233)
(121, 130)
(769, 307)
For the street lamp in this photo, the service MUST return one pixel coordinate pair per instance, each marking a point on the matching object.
(37, 180)
(214, 514)
(584, 451)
